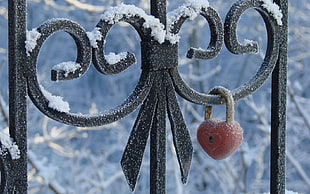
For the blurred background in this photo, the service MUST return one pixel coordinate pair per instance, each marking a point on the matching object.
(66, 159)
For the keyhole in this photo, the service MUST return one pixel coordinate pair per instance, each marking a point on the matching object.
(211, 139)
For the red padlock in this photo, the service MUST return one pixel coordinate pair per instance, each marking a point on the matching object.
(218, 138)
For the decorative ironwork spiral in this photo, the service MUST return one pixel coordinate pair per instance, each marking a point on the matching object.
(159, 79)
(84, 53)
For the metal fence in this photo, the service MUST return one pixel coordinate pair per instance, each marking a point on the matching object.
(156, 90)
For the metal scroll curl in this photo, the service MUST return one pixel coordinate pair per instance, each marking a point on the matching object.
(36, 92)
(216, 31)
(235, 47)
(99, 59)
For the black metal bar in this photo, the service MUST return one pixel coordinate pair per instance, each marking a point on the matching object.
(158, 142)
(17, 179)
(278, 109)
(159, 9)
(158, 131)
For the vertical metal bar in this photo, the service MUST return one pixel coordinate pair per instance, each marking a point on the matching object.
(158, 143)
(159, 9)
(17, 179)
(278, 109)
(158, 131)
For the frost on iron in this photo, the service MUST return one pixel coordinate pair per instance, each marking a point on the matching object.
(68, 67)
(274, 9)
(172, 38)
(94, 36)
(191, 10)
(31, 40)
(113, 58)
(55, 102)
(8, 146)
(251, 43)
(116, 14)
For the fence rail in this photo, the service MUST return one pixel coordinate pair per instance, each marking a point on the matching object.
(156, 90)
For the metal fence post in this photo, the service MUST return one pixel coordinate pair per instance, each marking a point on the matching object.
(158, 130)
(155, 92)
(278, 109)
(16, 180)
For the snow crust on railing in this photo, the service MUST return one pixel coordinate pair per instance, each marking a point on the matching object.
(68, 67)
(55, 102)
(31, 40)
(113, 58)
(94, 36)
(191, 10)
(8, 145)
(274, 9)
(116, 14)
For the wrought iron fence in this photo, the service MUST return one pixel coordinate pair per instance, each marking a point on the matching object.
(157, 87)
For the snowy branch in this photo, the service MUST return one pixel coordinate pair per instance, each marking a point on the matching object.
(298, 168)
(300, 110)
(86, 7)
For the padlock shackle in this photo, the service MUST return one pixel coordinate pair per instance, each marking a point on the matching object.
(208, 112)
(229, 100)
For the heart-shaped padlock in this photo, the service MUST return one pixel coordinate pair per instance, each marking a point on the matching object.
(219, 138)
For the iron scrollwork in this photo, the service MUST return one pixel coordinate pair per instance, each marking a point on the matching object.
(159, 80)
